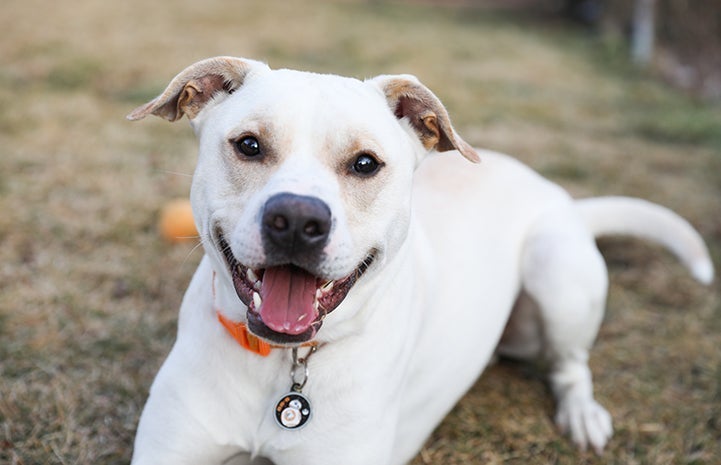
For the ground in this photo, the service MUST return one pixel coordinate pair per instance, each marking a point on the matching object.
(89, 291)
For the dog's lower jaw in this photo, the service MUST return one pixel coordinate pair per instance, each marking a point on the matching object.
(258, 328)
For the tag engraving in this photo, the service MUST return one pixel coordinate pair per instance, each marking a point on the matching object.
(292, 411)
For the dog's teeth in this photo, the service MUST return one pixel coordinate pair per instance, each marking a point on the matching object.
(327, 286)
(257, 300)
(252, 277)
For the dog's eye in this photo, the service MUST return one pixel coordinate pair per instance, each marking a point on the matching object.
(248, 146)
(365, 164)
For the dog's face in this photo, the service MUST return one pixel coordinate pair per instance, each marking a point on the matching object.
(303, 181)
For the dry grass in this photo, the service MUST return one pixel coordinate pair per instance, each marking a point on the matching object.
(89, 293)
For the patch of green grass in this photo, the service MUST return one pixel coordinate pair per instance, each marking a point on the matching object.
(678, 121)
(137, 94)
(568, 171)
(649, 107)
(77, 73)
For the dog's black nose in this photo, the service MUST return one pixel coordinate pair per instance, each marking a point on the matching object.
(295, 227)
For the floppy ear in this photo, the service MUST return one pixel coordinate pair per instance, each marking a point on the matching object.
(190, 90)
(410, 99)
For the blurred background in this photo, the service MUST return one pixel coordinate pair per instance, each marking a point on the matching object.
(603, 97)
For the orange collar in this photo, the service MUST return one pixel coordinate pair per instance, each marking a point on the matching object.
(245, 338)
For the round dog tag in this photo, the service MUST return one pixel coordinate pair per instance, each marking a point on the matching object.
(292, 411)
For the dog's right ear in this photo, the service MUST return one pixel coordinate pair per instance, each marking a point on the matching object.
(191, 90)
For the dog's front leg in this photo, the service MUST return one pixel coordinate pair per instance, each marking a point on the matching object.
(169, 432)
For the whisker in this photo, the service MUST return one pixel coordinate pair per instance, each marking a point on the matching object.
(177, 173)
(195, 247)
(367, 261)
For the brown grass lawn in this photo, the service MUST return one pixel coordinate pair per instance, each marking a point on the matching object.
(89, 292)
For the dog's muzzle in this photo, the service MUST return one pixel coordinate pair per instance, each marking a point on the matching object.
(287, 298)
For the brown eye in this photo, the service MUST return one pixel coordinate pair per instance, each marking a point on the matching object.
(248, 146)
(366, 165)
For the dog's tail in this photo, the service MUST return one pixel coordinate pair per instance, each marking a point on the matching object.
(640, 218)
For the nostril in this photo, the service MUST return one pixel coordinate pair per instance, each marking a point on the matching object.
(279, 223)
(312, 229)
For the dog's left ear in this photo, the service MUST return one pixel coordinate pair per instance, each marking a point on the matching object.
(195, 86)
(410, 99)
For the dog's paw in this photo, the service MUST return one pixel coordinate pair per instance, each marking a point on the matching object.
(586, 421)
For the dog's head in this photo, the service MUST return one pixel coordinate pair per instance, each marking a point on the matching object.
(303, 180)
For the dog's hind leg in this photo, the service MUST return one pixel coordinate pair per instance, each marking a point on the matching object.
(565, 275)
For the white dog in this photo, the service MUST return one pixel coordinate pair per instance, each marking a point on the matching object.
(356, 282)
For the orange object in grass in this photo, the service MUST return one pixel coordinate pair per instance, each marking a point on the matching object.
(176, 222)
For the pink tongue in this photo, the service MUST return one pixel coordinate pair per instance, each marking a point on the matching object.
(288, 295)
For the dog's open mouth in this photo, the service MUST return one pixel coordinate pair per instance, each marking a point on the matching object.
(287, 304)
